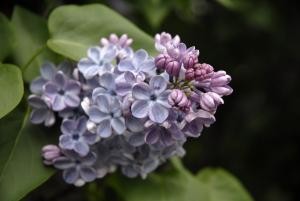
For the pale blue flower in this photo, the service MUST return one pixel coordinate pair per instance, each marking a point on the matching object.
(76, 169)
(151, 100)
(75, 136)
(62, 92)
(141, 65)
(41, 111)
(107, 114)
(97, 62)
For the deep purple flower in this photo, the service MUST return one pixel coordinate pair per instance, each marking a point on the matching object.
(151, 100)
(75, 136)
(62, 92)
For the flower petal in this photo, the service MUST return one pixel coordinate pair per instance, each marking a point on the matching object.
(141, 91)
(51, 89)
(103, 103)
(66, 142)
(104, 129)
(81, 148)
(107, 81)
(158, 84)
(139, 56)
(63, 163)
(37, 102)
(96, 115)
(58, 103)
(72, 87)
(147, 66)
(84, 64)
(125, 65)
(50, 119)
(59, 79)
(152, 136)
(48, 71)
(109, 53)
(88, 174)
(36, 86)
(89, 159)
(68, 127)
(72, 100)
(134, 124)
(118, 124)
(136, 139)
(38, 116)
(71, 175)
(91, 72)
(81, 125)
(94, 53)
(158, 113)
(140, 108)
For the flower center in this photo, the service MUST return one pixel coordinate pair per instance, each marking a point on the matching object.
(75, 137)
(153, 97)
(61, 92)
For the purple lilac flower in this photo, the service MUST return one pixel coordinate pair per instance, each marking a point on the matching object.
(75, 136)
(98, 61)
(141, 65)
(76, 169)
(62, 92)
(41, 112)
(151, 100)
(107, 114)
(209, 101)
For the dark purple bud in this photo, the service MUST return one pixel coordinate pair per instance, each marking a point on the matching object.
(173, 68)
(189, 61)
(50, 153)
(178, 98)
(161, 61)
(190, 74)
(203, 71)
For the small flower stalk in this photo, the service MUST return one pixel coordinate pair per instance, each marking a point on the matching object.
(120, 108)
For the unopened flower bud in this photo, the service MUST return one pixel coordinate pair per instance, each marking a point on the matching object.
(161, 61)
(190, 74)
(50, 153)
(203, 71)
(189, 61)
(178, 98)
(219, 83)
(173, 68)
(210, 101)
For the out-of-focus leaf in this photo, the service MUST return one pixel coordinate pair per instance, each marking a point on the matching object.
(6, 37)
(11, 88)
(180, 185)
(222, 185)
(21, 167)
(75, 28)
(30, 51)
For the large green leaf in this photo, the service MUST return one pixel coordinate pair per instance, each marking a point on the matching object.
(223, 186)
(6, 37)
(180, 185)
(75, 28)
(31, 34)
(11, 88)
(21, 168)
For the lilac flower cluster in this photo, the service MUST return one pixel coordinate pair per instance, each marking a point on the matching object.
(124, 109)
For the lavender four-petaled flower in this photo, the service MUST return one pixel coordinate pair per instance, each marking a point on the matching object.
(76, 169)
(151, 100)
(141, 65)
(62, 92)
(98, 61)
(75, 136)
(107, 115)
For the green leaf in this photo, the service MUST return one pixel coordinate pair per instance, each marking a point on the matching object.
(21, 168)
(11, 85)
(223, 186)
(179, 184)
(31, 34)
(6, 37)
(75, 28)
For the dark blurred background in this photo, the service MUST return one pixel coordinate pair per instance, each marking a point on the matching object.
(257, 42)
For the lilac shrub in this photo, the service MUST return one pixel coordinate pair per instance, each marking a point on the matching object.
(120, 108)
